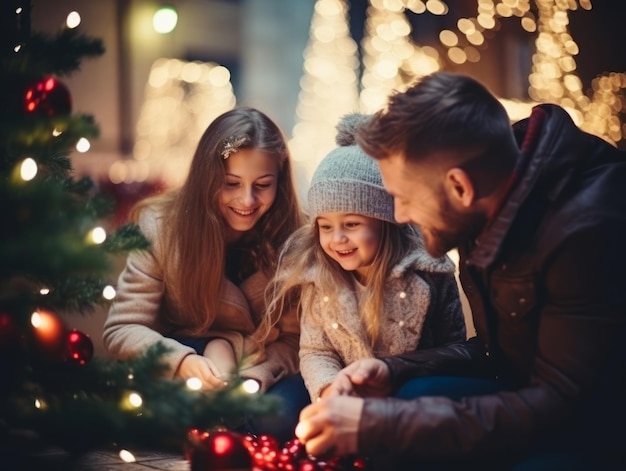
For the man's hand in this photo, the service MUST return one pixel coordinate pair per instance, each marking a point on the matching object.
(202, 368)
(330, 426)
(363, 378)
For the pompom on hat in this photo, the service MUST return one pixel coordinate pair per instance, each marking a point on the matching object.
(347, 180)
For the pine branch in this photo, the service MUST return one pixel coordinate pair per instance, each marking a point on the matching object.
(50, 262)
(75, 295)
(32, 136)
(73, 399)
(127, 237)
(59, 54)
(49, 233)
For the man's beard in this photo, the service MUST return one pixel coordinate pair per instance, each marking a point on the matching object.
(459, 228)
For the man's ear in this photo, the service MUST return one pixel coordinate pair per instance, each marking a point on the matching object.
(459, 187)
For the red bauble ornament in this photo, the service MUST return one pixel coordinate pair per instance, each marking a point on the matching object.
(48, 98)
(285, 461)
(250, 443)
(343, 463)
(218, 451)
(49, 335)
(267, 453)
(194, 444)
(267, 443)
(79, 347)
(295, 448)
(307, 465)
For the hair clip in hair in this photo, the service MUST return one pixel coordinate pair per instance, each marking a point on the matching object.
(232, 145)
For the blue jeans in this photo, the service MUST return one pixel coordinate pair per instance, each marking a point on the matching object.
(294, 397)
(197, 343)
(452, 387)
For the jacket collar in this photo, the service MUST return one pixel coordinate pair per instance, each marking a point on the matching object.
(528, 169)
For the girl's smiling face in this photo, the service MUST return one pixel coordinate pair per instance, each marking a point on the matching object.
(249, 188)
(352, 240)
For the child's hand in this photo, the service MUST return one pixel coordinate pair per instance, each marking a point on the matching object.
(221, 355)
(197, 366)
(327, 391)
(363, 378)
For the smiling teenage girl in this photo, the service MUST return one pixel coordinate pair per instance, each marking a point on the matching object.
(199, 288)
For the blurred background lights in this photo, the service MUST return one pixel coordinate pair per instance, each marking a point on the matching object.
(135, 399)
(195, 384)
(132, 400)
(180, 90)
(164, 20)
(328, 86)
(126, 456)
(108, 292)
(436, 7)
(36, 320)
(251, 386)
(98, 235)
(73, 20)
(83, 145)
(28, 169)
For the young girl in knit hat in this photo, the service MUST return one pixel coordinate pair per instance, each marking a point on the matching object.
(366, 286)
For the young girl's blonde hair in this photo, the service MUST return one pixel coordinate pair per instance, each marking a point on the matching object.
(305, 272)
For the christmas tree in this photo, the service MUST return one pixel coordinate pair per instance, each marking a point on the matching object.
(56, 262)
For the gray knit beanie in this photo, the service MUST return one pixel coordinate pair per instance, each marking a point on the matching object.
(348, 180)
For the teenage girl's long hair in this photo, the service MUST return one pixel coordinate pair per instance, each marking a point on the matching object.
(193, 228)
(304, 271)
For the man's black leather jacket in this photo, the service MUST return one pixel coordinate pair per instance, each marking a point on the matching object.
(546, 282)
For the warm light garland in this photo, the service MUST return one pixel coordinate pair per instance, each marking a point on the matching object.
(97, 235)
(392, 61)
(28, 169)
(328, 86)
(108, 292)
(553, 78)
(181, 100)
(179, 90)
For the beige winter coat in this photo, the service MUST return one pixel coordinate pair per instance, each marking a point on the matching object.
(137, 318)
(418, 287)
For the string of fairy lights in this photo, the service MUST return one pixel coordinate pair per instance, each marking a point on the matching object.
(28, 168)
(327, 88)
(392, 61)
(330, 85)
(181, 91)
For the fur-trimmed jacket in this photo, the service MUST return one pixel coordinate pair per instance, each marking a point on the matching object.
(421, 309)
(143, 314)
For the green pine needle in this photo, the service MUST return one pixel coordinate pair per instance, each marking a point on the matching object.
(49, 260)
